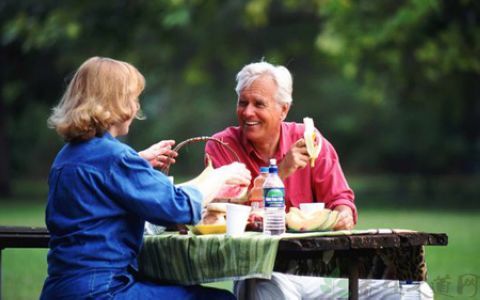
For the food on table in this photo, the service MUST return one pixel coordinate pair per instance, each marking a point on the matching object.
(209, 229)
(232, 193)
(321, 219)
(214, 214)
(255, 221)
(312, 140)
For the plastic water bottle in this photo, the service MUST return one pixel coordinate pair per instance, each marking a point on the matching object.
(274, 202)
(256, 194)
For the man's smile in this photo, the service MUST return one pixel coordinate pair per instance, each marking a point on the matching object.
(251, 123)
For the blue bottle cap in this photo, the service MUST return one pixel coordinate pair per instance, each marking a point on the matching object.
(273, 169)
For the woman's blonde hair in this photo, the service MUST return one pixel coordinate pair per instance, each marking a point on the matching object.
(103, 92)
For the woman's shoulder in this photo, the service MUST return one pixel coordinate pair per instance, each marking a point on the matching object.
(96, 152)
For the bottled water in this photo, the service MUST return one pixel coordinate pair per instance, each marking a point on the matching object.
(274, 202)
(256, 194)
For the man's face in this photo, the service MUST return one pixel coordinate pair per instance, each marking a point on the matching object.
(259, 114)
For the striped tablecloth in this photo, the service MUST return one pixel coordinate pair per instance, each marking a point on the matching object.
(191, 259)
(195, 259)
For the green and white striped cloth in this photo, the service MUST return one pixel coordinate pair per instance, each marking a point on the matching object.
(195, 259)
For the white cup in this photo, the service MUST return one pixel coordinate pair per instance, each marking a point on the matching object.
(237, 216)
(309, 207)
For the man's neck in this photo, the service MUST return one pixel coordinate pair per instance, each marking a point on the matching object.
(267, 150)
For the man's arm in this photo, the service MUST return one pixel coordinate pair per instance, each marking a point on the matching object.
(331, 187)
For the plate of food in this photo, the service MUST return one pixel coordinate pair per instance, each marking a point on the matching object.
(209, 229)
(213, 220)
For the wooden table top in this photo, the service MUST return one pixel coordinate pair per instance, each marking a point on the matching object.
(38, 237)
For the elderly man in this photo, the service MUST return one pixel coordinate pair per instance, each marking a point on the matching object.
(264, 99)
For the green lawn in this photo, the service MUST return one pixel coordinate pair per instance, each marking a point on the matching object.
(24, 270)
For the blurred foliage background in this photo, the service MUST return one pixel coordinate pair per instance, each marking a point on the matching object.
(394, 85)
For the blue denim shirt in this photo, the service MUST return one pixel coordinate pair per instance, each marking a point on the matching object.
(100, 194)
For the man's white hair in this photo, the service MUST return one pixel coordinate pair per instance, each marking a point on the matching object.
(282, 77)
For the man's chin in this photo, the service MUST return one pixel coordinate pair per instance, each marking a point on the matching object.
(252, 136)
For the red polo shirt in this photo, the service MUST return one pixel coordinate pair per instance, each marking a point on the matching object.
(323, 183)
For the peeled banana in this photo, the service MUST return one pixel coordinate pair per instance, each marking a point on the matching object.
(314, 144)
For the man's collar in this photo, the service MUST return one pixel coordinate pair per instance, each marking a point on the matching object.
(282, 144)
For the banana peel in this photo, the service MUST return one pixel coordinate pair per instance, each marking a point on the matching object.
(312, 140)
(319, 220)
(330, 221)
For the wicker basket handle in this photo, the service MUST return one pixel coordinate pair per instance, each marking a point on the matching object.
(166, 168)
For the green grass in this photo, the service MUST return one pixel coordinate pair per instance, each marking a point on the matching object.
(24, 270)
(445, 264)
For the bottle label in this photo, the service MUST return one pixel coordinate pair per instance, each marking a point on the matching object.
(274, 197)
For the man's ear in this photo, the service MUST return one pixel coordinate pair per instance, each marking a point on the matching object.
(285, 109)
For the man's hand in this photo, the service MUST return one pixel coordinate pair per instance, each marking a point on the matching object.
(160, 154)
(296, 158)
(345, 218)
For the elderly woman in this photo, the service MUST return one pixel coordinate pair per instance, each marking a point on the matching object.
(101, 192)
(264, 98)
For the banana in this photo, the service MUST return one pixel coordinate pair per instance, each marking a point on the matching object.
(322, 219)
(296, 211)
(299, 220)
(331, 221)
(295, 221)
(321, 216)
(310, 135)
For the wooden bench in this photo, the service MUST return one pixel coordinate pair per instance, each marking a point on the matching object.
(21, 237)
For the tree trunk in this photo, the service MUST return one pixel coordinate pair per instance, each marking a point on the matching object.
(471, 123)
(5, 188)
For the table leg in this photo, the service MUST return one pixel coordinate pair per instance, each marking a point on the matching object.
(250, 288)
(353, 279)
(1, 273)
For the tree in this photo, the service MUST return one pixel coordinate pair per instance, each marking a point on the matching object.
(378, 77)
(420, 61)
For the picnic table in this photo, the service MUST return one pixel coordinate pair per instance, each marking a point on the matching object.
(375, 254)
(366, 254)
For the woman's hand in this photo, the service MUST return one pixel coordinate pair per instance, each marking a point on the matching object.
(234, 174)
(296, 158)
(345, 218)
(213, 181)
(160, 154)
